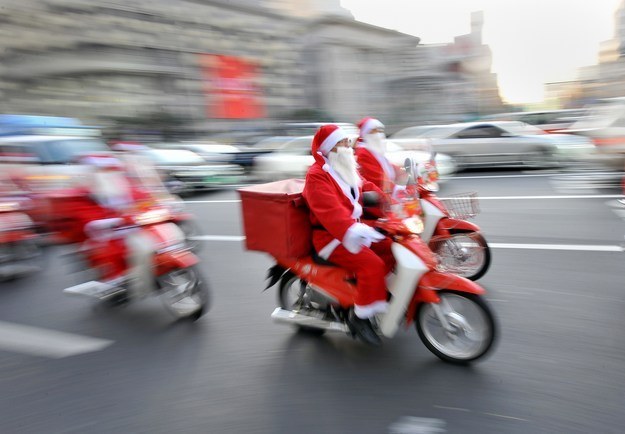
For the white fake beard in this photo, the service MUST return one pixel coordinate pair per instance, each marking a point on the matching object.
(344, 163)
(376, 142)
(111, 189)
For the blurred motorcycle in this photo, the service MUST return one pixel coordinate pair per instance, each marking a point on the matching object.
(459, 244)
(20, 252)
(166, 267)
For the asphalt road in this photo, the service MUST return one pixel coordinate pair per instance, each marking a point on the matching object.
(556, 285)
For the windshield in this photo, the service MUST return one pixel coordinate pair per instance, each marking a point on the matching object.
(64, 151)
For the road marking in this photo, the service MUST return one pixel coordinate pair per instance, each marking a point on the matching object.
(213, 201)
(417, 425)
(506, 417)
(37, 341)
(572, 196)
(453, 408)
(576, 196)
(218, 238)
(571, 247)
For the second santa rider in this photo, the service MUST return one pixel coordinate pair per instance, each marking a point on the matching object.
(333, 192)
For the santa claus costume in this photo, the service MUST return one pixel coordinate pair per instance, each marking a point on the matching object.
(373, 164)
(333, 191)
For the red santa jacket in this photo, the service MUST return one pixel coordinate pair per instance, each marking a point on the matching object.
(371, 169)
(333, 209)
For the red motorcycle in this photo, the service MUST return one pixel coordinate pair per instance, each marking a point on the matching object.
(458, 243)
(449, 312)
(166, 267)
(20, 252)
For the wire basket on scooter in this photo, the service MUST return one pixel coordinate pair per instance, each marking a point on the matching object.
(462, 206)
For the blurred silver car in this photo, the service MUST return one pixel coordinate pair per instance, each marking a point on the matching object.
(488, 144)
(292, 160)
(186, 171)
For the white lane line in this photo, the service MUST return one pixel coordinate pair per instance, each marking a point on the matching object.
(213, 201)
(46, 343)
(444, 407)
(534, 175)
(578, 196)
(218, 238)
(417, 425)
(570, 247)
(506, 417)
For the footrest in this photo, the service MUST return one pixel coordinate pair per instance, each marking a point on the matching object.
(93, 289)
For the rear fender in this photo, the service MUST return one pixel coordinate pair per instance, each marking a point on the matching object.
(432, 282)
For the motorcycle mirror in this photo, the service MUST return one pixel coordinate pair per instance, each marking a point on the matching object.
(408, 165)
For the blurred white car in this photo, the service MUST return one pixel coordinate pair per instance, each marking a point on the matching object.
(293, 159)
(186, 171)
(488, 144)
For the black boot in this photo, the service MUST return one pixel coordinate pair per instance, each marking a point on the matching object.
(363, 329)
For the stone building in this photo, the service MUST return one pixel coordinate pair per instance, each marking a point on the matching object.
(265, 60)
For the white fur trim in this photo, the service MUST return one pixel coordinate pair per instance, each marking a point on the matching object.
(369, 125)
(328, 249)
(331, 141)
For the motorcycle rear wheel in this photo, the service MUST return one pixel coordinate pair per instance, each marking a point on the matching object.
(291, 296)
(472, 327)
(184, 293)
(464, 253)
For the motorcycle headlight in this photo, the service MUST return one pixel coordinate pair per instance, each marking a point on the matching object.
(152, 216)
(414, 224)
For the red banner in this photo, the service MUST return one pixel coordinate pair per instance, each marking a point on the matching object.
(230, 87)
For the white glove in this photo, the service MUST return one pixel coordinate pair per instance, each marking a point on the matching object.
(360, 235)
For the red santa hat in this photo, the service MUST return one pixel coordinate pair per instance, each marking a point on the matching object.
(367, 124)
(326, 138)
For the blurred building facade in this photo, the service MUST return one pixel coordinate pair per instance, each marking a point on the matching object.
(112, 60)
(606, 79)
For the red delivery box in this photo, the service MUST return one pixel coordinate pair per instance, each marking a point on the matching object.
(276, 219)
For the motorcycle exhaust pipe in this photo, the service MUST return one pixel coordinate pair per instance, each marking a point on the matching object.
(289, 317)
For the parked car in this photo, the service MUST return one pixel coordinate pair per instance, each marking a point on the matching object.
(185, 171)
(488, 144)
(293, 159)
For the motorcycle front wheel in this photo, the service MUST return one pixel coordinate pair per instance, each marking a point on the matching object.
(465, 254)
(470, 331)
(184, 293)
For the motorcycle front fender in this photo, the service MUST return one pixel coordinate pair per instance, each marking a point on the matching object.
(446, 226)
(173, 260)
(432, 282)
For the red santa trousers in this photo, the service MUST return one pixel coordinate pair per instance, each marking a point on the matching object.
(370, 265)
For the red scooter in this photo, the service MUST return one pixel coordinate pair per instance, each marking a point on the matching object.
(450, 314)
(168, 270)
(458, 243)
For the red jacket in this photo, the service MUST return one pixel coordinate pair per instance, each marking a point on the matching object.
(371, 170)
(331, 210)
